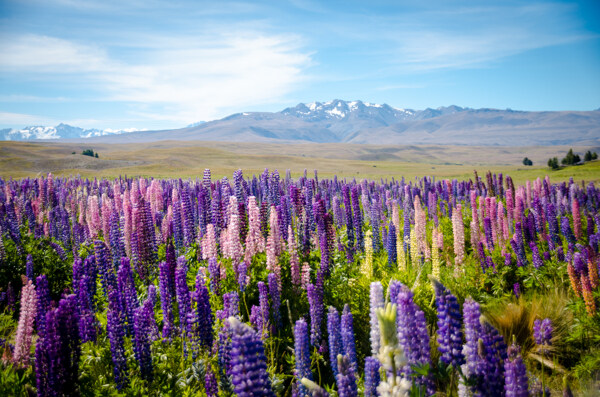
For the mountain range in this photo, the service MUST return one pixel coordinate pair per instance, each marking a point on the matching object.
(365, 123)
(61, 131)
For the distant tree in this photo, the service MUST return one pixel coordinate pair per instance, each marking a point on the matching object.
(96, 155)
(526, 161)
(553, 163)
(88, 152)
(589, 156)
(571, 158)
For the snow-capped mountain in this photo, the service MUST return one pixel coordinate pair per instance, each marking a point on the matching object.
(61, 131)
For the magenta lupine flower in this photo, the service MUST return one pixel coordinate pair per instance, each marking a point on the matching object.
(248, 362)
(25, 328)
(515, 374)
(302, 355)
(376, 302)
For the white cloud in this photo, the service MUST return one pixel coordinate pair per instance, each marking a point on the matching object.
(20, 119)
(182, 80)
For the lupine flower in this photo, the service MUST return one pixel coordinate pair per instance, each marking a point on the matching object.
(515, 374)
(28, 266)
(391, 355)
(214, 274)
(490, 369)
(334, 337)
(346, 378)
(209, 243)
(315, 301)
(565, 228)
(517, 290)
(459, 235)
(593, 274)
(128, 294)
(302, 355)
(25, 328)
(184, 302)
(204, 313)
(43, 303)
(542, 333)
(449, 326)
(537, 261)
(391, 245)
(255, 242)
(141, 343)
(166, 298)
(275, 299)
(367, 265)
(376, 302)
(314, 389)
(347, 333)
(248, 362)
(294, 259)
(588, 297)
(116, 335)
(372, 377)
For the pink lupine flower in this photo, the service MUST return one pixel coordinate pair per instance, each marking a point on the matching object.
(255, 241)
(274, 245)
(459, 235)
(209, 243)
(305, 275)
(25, 327)
(294, 259)
(127, 228)
(93, 216)
(420, 228)
(232, 248)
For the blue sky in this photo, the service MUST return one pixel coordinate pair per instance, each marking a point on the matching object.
(161, 64)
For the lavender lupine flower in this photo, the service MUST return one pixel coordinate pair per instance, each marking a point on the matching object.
(372, 377)
(231, 302)
(515, 374)
(347, 333)
(204, 313)
(315, 301)
(242, 275)
(29, 267)
(25, 328)
(116, 336)
(536, 259)
(376, 302)
(105, 267)
(346, 378)
(263, 297)
(88, 324)
(275, 299)
(57, 351)
(449, 326)
(490, 369)
(335, 338)
(302, 355)
(357, 217)
(391, 245)
(542, 333)
(248, 362)
(517, 290)
(473, 331)
(166, 299)
(412, 334)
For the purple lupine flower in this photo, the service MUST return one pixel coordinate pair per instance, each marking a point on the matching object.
(248, 363)
(515, 374)
(275, 299)
(242, 275)
(517, 290)
(263, 297)
(88, 324)
(449, 326)
(347, 333)
(507, 259)
(335, 338)
(210, 383)
(302, 355)
(204, 313)
(128, 293)
(536, 259)
(490, 370)
(357, 217)
(412, 334)
(542, 332)
(141, 343)
(372, 377)
(346, 378)
(487, 227)
(315, 301)
(184, 302)
(105, 267)
(29, 267)
(376, 302)
(349, 221)
(43, 303)
(565, 228)
(391, 245)
(231, 303)
(215, 275)
(166, 299)
(116, 336)
(57, 351)
(473, 330)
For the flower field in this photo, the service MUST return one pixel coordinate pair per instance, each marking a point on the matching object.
(268, 285)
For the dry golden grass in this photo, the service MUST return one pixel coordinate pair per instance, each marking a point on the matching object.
(170, 159)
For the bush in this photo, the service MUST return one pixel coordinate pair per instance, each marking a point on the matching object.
(553, 163)
(526, 161)
(88, 152)
(571, 158)
(589, 156)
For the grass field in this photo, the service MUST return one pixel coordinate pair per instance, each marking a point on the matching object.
(170, 159)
